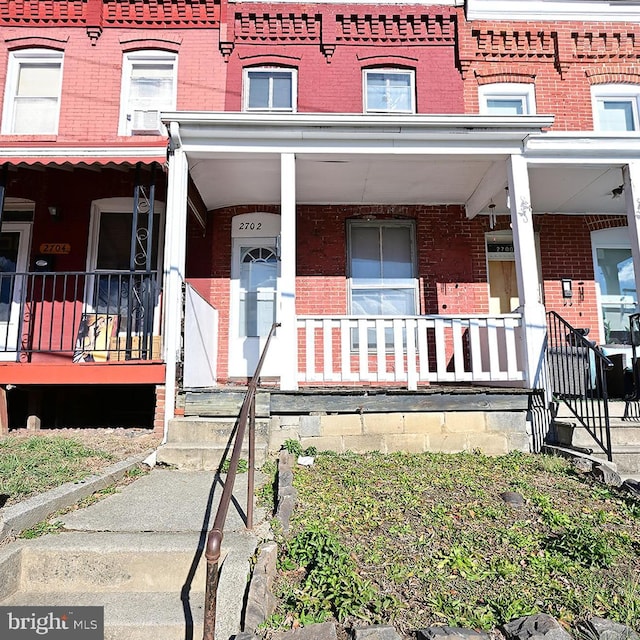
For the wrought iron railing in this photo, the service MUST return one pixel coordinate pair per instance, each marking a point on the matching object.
(577, 372)
(92, 316)
(214, 539)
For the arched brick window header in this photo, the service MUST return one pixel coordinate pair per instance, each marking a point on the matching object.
(36, 42)
(613, 74)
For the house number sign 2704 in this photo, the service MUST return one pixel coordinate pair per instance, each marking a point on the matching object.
(55, 248)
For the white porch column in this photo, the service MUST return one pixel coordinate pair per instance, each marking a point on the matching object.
(631, 178)
(533, 313)
(288, 332)
(174, 265)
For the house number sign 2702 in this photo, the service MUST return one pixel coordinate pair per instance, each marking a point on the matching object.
(250, 226)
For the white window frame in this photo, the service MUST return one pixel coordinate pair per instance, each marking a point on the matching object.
(601, 93)
(270, 69)
(393, 71)
(524, 91)
(146, 57)
(16, 60)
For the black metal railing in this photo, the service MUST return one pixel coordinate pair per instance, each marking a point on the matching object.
(93, 316)
(215, 536)
(577, 372)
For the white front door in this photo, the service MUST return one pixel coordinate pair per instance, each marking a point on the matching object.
(15, 239)
(255, 271)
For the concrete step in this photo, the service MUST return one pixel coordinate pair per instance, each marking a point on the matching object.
(142, 597)
(216, 431)
(130, 616)
(621, 434)
(203, 456)
(114, 562)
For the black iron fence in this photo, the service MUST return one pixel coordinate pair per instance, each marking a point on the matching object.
(92, 316)
(577, 372)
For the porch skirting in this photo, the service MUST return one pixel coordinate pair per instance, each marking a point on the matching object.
(493, 421)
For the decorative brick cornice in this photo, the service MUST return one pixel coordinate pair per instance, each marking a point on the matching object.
(606, 44)
(95, 14)
(396, 28)
(506, 43)
(41, 12)
(277, 27)
(161, 13)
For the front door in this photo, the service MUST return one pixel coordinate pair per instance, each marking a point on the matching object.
(14, 251)
(254, 294)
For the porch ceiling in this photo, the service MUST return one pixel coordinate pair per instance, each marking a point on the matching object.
(391, 179)
(340, 179)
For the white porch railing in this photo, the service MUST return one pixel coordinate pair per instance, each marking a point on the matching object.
(409, 350)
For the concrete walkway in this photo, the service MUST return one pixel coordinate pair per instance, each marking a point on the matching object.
(140, 553)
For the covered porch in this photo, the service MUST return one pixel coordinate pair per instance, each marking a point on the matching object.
(290, 185)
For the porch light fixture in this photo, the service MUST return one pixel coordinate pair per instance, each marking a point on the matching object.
(54, 212)
(617, 192)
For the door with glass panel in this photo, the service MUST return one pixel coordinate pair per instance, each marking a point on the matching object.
(255, 271)
(618, 296)
(14, 251)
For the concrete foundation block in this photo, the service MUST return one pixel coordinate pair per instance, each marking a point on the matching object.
(491, 444)
(341, 425)
(423, 422)
(324, 443)
(408, 442)
(383, 423)
(447, 442)
(507, 421)
(465, 421)
(310, 426)
(519, 442)
(363, 444)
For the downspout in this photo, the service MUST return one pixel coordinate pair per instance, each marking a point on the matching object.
(174, 260)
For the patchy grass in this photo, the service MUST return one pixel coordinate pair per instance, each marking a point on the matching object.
(426, 539)
(30, 465)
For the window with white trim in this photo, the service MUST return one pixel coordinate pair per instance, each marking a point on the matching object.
(615, 107)
(269, 89)
(382, 269)
(507, 99)
(32, 95)
(389, 91)
(149, 86)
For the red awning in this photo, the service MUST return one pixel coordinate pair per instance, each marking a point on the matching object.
(77, 156)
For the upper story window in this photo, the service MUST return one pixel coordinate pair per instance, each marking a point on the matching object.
(32, 95)
(269, 89)
(148, 88)
(615, 107)
(389, 91)
(507, 99)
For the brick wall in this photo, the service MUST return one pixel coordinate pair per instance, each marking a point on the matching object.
(562, 58)
(92, 76)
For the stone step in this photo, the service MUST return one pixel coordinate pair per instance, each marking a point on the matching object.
(203, 456)
(211, 430)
